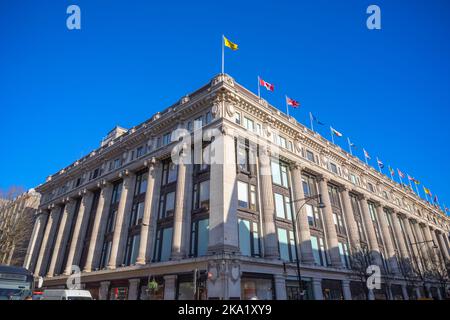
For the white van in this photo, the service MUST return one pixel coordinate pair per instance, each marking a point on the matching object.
(65, 294)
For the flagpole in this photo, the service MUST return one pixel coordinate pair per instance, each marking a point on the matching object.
(259, 89)
(349, 146)
(223, 54)
(379, 167)
(401, 180)
(390, 172)
(417, 189)
(311, 121)
(332, 135)
(287, 106)
(365, 156)
(410, 185)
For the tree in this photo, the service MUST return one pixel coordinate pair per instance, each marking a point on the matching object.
(439, 271)
(16, 223)
(360, 259)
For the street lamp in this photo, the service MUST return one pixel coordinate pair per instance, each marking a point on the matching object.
(320, 205)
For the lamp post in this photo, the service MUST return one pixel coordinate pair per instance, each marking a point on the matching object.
(294, 225)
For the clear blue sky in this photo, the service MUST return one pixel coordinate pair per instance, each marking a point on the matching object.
(61, 91)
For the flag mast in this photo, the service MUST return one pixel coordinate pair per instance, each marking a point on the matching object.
(311, 121)
(332, 135)
(417, 189)
(365, 156)
(349, 146)
(379, 167)
(259, 88)
(223, 54)
(287, 106)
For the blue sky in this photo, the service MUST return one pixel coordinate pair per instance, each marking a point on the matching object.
(61, 91)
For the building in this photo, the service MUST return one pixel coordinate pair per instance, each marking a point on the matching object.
(16, 225)
(143, 222)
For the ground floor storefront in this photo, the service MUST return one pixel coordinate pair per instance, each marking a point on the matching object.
(233, 279)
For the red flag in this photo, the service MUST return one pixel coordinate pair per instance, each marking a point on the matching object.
(401, 174)
(268, 86)
(292, 102)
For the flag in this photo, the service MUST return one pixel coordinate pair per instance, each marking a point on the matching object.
(392, 171)
(416, 181)
(335, 132)
(401, 174)
(380, 163)
(447, 209)
(229, 44)
(353, 145)
(427, 191)
(291, 102)
(410, 178)
(436, 200)
(317, 120)
(366, 154)
(265, 84)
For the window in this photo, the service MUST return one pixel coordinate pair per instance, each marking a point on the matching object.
(258, 129)
(169, 173)
(141, 183)
(370, 187)
(282, 206)
(106, 253)
(243, 157)
(201, 195)
(166, 205)
(249, 124)
(199, 237)
(137, 213)
(318, 248)
(237, 118)
(313, 216)
(344, 254)
(358, 218)
(243, 194)
(286, 244)
(279, 174)
(163, 245)
(167, 138)
(117, 163)
(208, 117)
(139, 152)
(310, 156)
(279, 140)
(333, 168)
(246, 195)
(198, 123)
(95, 173)
(132, 249)
(117, 191)
(189, 126)
(248, 238)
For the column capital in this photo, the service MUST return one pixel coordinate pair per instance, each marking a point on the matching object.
(296, 166)
(150, 163)
(321, 177)
(134, 281)
(124, 173)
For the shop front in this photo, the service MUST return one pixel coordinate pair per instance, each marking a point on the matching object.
(293, 289)
(257, 286)
(332, 289)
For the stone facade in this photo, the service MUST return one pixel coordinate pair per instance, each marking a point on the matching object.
(127, 216)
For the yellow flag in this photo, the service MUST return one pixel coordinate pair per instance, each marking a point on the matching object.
(229, 44)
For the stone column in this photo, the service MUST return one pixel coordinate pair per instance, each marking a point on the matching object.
(399, 236)
(317, 288)
(430, 242)
(149, 196)
(133, 289)
(78, 231)
(422, 246)
(346, 290)
(121, 225)
(267, 204)
(330, 229)
(49, 234)
(388, 241)
(443, 246)
(280, 287)
(170, 287)
(350, 219)
(411, 240)
(223, 231)
(405, 292)
(98, 227)
(178, 217)
(301, 216)
(371, 235)
(418, 293)
(36, 239)
(104, 290)
(61, 238)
